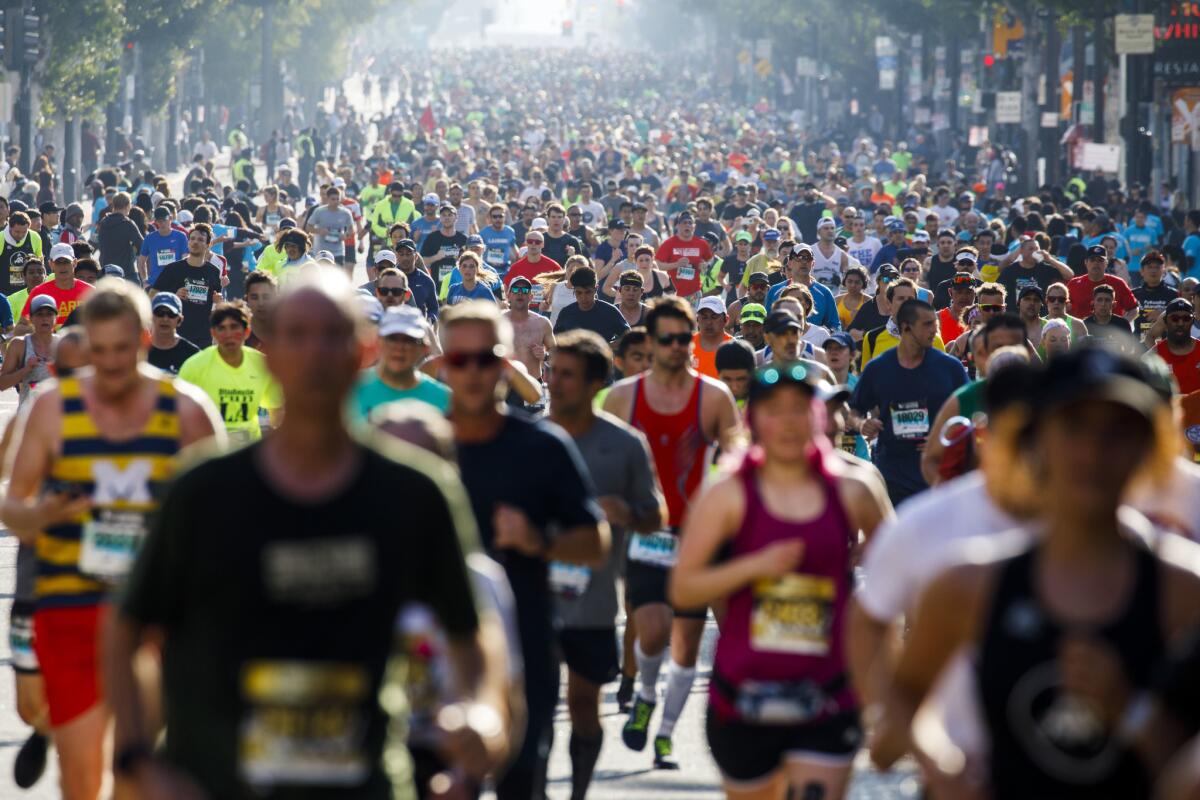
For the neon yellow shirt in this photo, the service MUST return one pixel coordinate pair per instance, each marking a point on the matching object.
(239, 392)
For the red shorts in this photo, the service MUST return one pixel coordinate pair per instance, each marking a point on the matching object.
(67, 641)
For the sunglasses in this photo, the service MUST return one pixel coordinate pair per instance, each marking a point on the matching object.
(574, 215)
(1056, 299)
(991, 307)
(533, 241)
(521, 290)
(911, 270)
(497, 216)
(165, 312)
(667, 339)
(483, 359)
(966, 262)
(391, 292)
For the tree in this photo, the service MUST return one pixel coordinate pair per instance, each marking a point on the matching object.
(82, 71)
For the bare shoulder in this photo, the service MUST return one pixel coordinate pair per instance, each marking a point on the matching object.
(709, 386)
(723, 498)
(857, 479)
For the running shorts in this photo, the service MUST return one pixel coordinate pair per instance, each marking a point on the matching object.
(590, 653)
(67, 644)
(646, 584)
(746, 753)
(20, 638)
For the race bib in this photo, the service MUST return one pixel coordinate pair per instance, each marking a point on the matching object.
(333, 237)
(539, 292)
(448, 251)
(569, 581)
(272, 220)
(658, 549)
(686, 273)
(110, 543)
(793, 614)
(20, 642)
(164, 257)
(910, 421)
(304, 725)
(495, 256)
(197, 292)
(16, 275)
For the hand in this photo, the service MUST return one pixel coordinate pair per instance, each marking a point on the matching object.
(778, 558)
(538, 351)
(224, 280)
(871, 427)
(514, 531)
(570, 250)
(362, 247)
(464, 732)
(57, 508)
(1092, 671)
(616, 510)
(181, 293)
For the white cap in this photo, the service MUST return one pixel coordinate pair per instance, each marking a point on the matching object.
(157, 198)
(431, 199)
(385, 255)
(824, 221)
(62, 251)
(184, 216)
(712, 303)
(404, 320)
(339, 183)
(539, 224)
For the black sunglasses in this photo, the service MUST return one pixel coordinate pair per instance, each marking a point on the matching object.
(1056, 299)
(391, 292)
(666, 339)
(164, 312)
(483, 359)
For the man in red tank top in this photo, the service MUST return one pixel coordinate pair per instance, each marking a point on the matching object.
(681, 413)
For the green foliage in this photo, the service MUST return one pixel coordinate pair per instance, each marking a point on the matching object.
(82, 72)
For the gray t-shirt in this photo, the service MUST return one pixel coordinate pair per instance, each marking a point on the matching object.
(337, 223)
(619, 461)
(466, 218)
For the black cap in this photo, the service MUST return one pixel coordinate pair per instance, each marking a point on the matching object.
(1178, 304)
(617, 225)
(735, 354)
(162, 212)
(888, 270)
(779, 321)
(712, 239)
(406, 244)
(1097, 251)
(757, 277)
(1095, 371)
(50, 208)
(1028, 290)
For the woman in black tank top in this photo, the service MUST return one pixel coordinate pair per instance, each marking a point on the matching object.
(1068, 617)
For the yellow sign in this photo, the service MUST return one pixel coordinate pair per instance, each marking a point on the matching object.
(744, 57)
(763, 68)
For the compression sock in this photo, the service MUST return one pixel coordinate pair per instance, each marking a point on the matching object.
(679, 686)
(585, 752)
(648, 667)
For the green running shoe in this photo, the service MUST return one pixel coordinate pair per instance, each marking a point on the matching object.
(635, 732)
(662, 753)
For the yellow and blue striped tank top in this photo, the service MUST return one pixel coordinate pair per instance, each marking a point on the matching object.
(78, 563)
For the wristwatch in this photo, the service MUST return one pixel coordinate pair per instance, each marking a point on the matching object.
(129, 757)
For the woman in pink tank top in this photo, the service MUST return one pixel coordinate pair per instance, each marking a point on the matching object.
(775, 541)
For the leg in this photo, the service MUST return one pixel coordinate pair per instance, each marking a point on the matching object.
(628, 660)
(80, 745)
(831, 774)
(587, 737)
(31, 701)
(771, 788)
(686, 632)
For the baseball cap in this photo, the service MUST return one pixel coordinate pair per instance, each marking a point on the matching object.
(965, 255)
(184, 217)
(758, 277)
(617, 225)
(404, 320)
(1097, 251)
(45, 301)
(522, 280)
(1177, 305)
(920, 236)
(753, 312)
(431, 200)
(754, 212)
(385, 255)
(50, 208)
(895, 225)
(770, 235)
(963, 279)
(339, 183)
(474, 240)
(1031, 289)
(539, 224)
(115, 271)
(771, 377)
(167, 300)
(887, 272)
(779, 321)
(826, 222)
(743, 236)
(684, 216)
(406, 244)
(62, 252)
(73, 209)
(712, 303)
(842, 338)
(631, 278)
(324, 255)
(1094, 372)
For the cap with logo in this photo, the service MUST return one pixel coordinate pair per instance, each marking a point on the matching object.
(758, 277)
(406, 244)
(771, 235)
(385, 256)
(167, 300)
(842, 338)
(43, 301)
(431, 200)
(712, 303)
(1097, 251)
(753, 312)
(62, 252)
(474, 240)
(405, 321)
(965, 255)
(1178, 305)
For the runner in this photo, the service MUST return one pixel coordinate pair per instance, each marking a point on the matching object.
(168, 350)
(532, 334)
(65, 290)
(299, 716)
(17, 246)
(619, 463)
(681, 413)
(781, 710)
(30, 359)
(682, 255)
(84, 445)
(197, 282)
(711, 320)
(527, 518)
(403, 336)
(234, 376)
(530, 266)
(163, 245)
(261, 290)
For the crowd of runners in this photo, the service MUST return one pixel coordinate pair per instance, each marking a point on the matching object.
(321, 478)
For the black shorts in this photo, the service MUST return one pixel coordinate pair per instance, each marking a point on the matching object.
(746, 753)
(590, 653)
(20, 638)
(646, 584)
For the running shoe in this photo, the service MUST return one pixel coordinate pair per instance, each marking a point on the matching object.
(30, 762)
(635, 732)
(662, 753)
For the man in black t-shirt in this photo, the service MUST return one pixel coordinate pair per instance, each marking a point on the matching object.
(1029, 265)
(1104, 324)
(543, 512)
(168, 350)
(557, 240)
(588, 312)
(808, 210)
(196, 282)
(303, 540)
(1153, 295)
(442, 246)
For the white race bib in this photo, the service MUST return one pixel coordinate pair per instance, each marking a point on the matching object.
(165, 257)
(569, 581)
(659, 549)
(197, 292)
(110, 543)
(910, 421)
(686, 273)
(793, 614)
(305, 724)
(495, 257)
(332, 238)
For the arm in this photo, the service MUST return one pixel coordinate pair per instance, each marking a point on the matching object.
(715, 519)
(520, 381)
(198, 417)
(618, 401)
(931, 455)
(10, 373)
(143, 267)
(728, 431)
(870, 649)
(1064, 271)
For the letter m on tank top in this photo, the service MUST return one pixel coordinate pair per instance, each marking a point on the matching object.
(114, 484)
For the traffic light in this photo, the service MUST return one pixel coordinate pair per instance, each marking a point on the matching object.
(989, 60)
(568, 27)
(3, 36)
(31, 35)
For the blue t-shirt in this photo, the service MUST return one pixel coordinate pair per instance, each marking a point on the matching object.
(824, 311)
(604, 251)
(420, 227)
(1122, 249)
(458, 292)
(1141, 241)
(371, 392)
(162, 250)
(1191, 249)
(497, 247)
(907, 400)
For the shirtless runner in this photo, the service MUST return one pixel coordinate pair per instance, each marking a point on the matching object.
(532, 335)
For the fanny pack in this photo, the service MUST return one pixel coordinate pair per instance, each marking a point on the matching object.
(781, 702)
